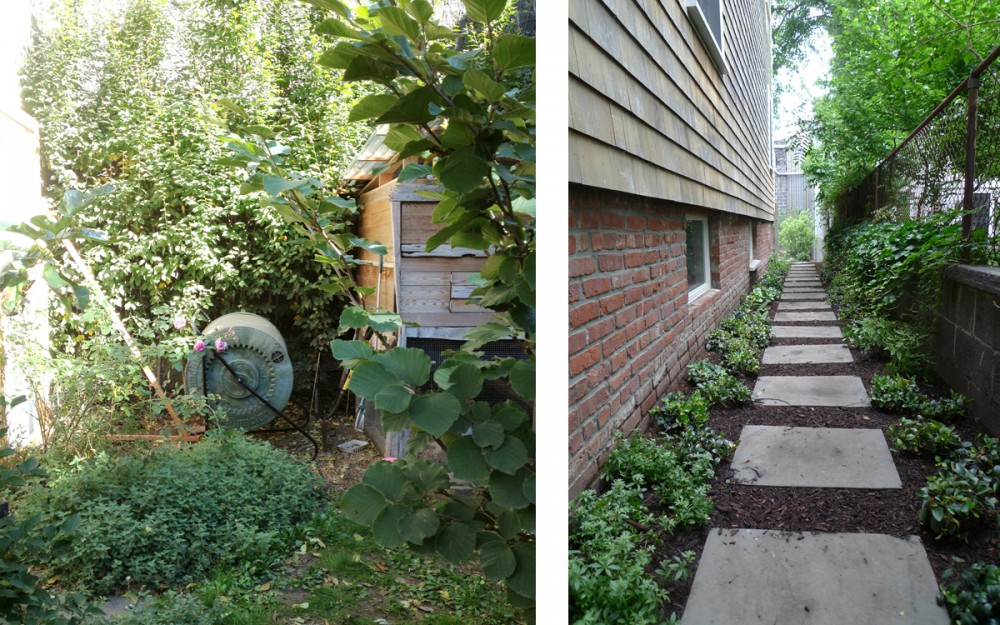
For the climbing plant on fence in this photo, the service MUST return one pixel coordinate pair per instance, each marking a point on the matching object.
(469, 115)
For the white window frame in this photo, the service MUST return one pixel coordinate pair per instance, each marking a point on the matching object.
(696, 291)
(704, 29)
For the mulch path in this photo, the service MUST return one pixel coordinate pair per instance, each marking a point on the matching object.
(892, 512)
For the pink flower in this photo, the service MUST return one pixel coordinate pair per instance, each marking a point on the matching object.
(179, 323)
(199, 345)
(220, 345)
(389, 459)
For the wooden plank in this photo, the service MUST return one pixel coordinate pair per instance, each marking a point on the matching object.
(446, 265)
(462, 307)
(417, 278)
(415, 250)
(450, 319)
(461, 291)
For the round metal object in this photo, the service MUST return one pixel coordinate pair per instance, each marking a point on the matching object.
(256, 353)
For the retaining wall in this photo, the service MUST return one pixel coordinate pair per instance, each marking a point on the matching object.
(967, 345)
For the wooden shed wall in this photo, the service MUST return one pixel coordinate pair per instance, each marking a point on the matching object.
(433, 288)
(651, 115)
(376, 224)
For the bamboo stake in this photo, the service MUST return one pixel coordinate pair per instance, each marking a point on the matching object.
(116, 321)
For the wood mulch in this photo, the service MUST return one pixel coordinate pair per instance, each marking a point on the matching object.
(891, 511)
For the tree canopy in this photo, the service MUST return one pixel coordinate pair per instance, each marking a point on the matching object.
(894, 61)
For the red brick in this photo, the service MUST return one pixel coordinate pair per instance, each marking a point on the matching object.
(610, 262)
(581, 266)
(581, 314)
(593, 287)
(578, 363)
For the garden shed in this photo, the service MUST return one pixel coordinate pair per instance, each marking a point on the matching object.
(427, 288)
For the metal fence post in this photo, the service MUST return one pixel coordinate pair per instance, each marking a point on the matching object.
(970, 157)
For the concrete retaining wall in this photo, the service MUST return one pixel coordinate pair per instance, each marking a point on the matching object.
(967, 346)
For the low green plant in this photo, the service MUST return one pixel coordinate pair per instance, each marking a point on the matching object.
(680, 477)
(676, 412)
(25, 541)
(172, 515)
(899, 341)
(974, 597)
(608, 559)
(983, 453)
(923, 436)
(741, 356)
(172, 608)
(894, 393)
(718, 385)
(956, 498)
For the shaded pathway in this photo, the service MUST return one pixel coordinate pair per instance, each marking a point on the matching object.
(766, 576)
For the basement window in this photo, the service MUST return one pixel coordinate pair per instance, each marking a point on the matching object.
(699, 268)
(706, 15)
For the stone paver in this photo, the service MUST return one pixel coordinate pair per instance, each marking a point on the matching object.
(817, 305)
(807, 332)
(805, 315)
(814, 457)
(811, 390)
(805, 289)
(790, 296)
(764, 577)
(806, 354)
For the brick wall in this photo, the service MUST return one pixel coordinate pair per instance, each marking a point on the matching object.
(632, 330)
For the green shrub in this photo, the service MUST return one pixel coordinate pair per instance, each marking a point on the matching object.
(902, 395)
(171, 516)
(975, 597)
(984, 453)
(796, 234)
(923, 436)
(901, 342)
(677, 412)
(608, 558)
(718, 385)
(955, 498)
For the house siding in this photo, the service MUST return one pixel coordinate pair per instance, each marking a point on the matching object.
(650, 114)
(656, 134)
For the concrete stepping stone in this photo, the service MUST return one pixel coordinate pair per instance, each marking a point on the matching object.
(803, 282)
(812, 295)
(814, 457)
(811, 390)
(806, 332)
(809, 289)
(806, 354)
(763, 577)
(805, 315)
(817, 305)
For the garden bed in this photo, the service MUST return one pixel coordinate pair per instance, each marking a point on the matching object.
(892, 512)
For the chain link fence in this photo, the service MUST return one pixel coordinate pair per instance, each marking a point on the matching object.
(950, 162)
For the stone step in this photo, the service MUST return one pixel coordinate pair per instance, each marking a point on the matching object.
(816, 305)
(814, 457)
(804, 315)
(806, 332)
(847, 391)
(786, 296)
(763, 577)
(806, 354)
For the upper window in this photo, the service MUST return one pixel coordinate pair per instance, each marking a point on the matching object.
(698, 259)
(706, 15)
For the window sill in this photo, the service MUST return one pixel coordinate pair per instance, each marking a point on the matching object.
(755, 265)
(698, 295)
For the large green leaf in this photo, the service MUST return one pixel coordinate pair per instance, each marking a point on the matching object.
(511, 51)
(393, 398)
(435, 413)
(362, 68)
(523, 580)
(421, 10)
(427, 476)
(386, 478)
(456, 543)
(508, 490)
(420, 525)
(368, 378)
(484, 85)
(462, 171)
(509, 416)
(508, 457)
(351, 353)
(384, 321)
(465, 459)
(485, 333)
(488, 434)
(522, 378)
(362, 503)
(497, 560)
(412, 366)
(386, 526)
(465, 381)
(372, 106)
(412, 108)
(336, 27)
(484, 10)
(395, 21)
